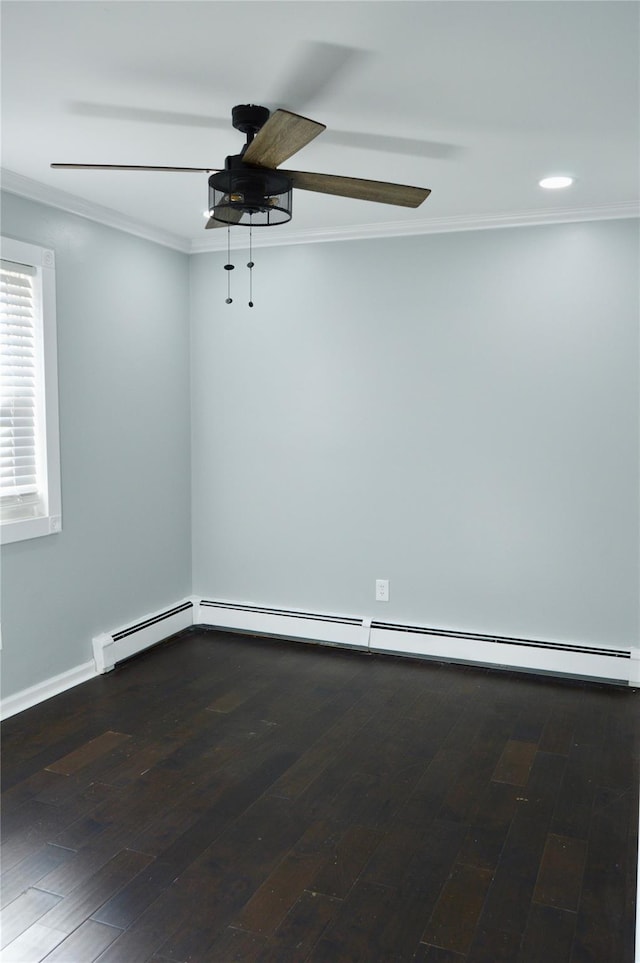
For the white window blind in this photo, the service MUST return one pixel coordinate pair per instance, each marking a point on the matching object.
(30, 496)
(19, 384)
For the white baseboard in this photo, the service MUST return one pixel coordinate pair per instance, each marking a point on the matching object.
(47, 689)
(606, 664)
(121, 643)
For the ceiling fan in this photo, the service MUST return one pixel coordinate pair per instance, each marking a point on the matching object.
(251, 191)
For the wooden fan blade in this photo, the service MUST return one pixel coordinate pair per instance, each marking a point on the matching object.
(282, 135)
(234, 217)
(380, 191)
(133, 167)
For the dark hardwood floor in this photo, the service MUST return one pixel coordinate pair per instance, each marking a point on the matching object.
(224, 798)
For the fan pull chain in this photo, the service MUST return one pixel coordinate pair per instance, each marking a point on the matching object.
(250, 264)
(229, 267)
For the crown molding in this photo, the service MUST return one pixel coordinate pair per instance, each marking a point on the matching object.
(14, 183)
(442, 225)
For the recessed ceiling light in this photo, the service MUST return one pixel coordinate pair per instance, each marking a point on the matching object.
(555, 183)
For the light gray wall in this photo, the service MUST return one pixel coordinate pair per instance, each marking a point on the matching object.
(123, 357)
(456, 413)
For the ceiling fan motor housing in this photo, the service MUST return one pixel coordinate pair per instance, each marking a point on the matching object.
(249, 118)
(250, 196)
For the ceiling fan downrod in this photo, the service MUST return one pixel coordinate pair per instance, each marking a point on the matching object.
(249, 119)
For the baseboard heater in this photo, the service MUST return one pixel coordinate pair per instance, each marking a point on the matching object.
(122, 643)
(285, 623)
(597, 663)
(557, 658)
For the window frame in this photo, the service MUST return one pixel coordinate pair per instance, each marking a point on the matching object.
(50, 520)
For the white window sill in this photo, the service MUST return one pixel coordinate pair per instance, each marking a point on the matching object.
(24, 528)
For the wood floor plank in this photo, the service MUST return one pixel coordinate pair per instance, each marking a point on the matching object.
(161, 832)
(618, 745)
(352, 935)
(86, 943)
(416, 888)
(15, 819)
(390, 859)
(492, 819)
(532, 721)
(559, 880)
(407, 915)
(548, 936)
(32, 945)
(74, 789)
(301, 929)
(194, 844)
(387, 793)
(74, 871)
(272, 901)
(461, 801)
(27, 909)
(602, 928)
(515, 762)
(449, 760)
(142, 939)
(557, 735)
(133, 898)
(46, 823)
(455, 916)
(339, 874)
(185, 809)
(81, 833)
(236, 946)
(386, 745)
(435, 954)
(237, 696)
(311, 763)
(152, 794)
(261, 833)
(52, 737)
(435, 855)
(323, 835)
(493, 945)
(87, 753)
(509, 897)
(70, 912)
(75, 794)
(572, 814)
(203, 922)
(31, 870)
(138, 761)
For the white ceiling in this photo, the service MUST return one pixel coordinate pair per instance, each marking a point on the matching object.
(476, 100)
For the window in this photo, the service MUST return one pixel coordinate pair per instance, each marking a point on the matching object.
(29, 447)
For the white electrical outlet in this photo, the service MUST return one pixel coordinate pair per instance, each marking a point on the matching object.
(382, 590)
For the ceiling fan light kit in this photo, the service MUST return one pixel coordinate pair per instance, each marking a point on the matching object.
(256, 198)
(250, 192)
